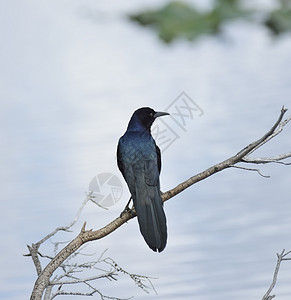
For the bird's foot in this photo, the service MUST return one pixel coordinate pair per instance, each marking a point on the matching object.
(127, 209)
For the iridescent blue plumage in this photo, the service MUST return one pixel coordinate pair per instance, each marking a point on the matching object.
(139, 161)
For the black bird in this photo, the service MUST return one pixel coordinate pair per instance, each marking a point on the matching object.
(139, 161)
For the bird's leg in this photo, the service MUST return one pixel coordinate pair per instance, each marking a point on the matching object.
(127, 208)
(127, 205)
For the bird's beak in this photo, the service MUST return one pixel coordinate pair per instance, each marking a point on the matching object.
(160, 113)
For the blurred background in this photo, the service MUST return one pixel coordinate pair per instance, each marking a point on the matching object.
(72, 73)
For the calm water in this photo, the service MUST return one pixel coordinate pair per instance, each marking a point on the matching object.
(72, 73)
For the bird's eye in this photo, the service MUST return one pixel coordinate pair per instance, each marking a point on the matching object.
(151, 114)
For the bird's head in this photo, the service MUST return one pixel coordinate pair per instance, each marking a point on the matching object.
(144, 118)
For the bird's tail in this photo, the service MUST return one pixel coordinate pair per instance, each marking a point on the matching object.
(151, 216)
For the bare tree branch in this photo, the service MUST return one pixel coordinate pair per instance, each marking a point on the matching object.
(103, 297)
(265, 160)
(252, 169)
(33, 249)
(78, 280)
(43, 280)
(47, 294)
(239, 157)
(138, 279)
(280, 258)
(279, 128)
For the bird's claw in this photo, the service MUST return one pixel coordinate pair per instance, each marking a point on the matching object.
(127, 209)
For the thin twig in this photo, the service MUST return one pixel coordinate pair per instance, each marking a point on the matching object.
(77, 280)
(265, 160)
(252, 169)
(280, 258)
(280, 126)
(66, 228)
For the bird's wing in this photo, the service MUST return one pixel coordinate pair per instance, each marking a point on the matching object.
(159, 158)
(119, 161)
(125, 165)
(151, 172)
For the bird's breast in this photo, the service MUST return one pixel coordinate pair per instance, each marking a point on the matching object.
(134, 147)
